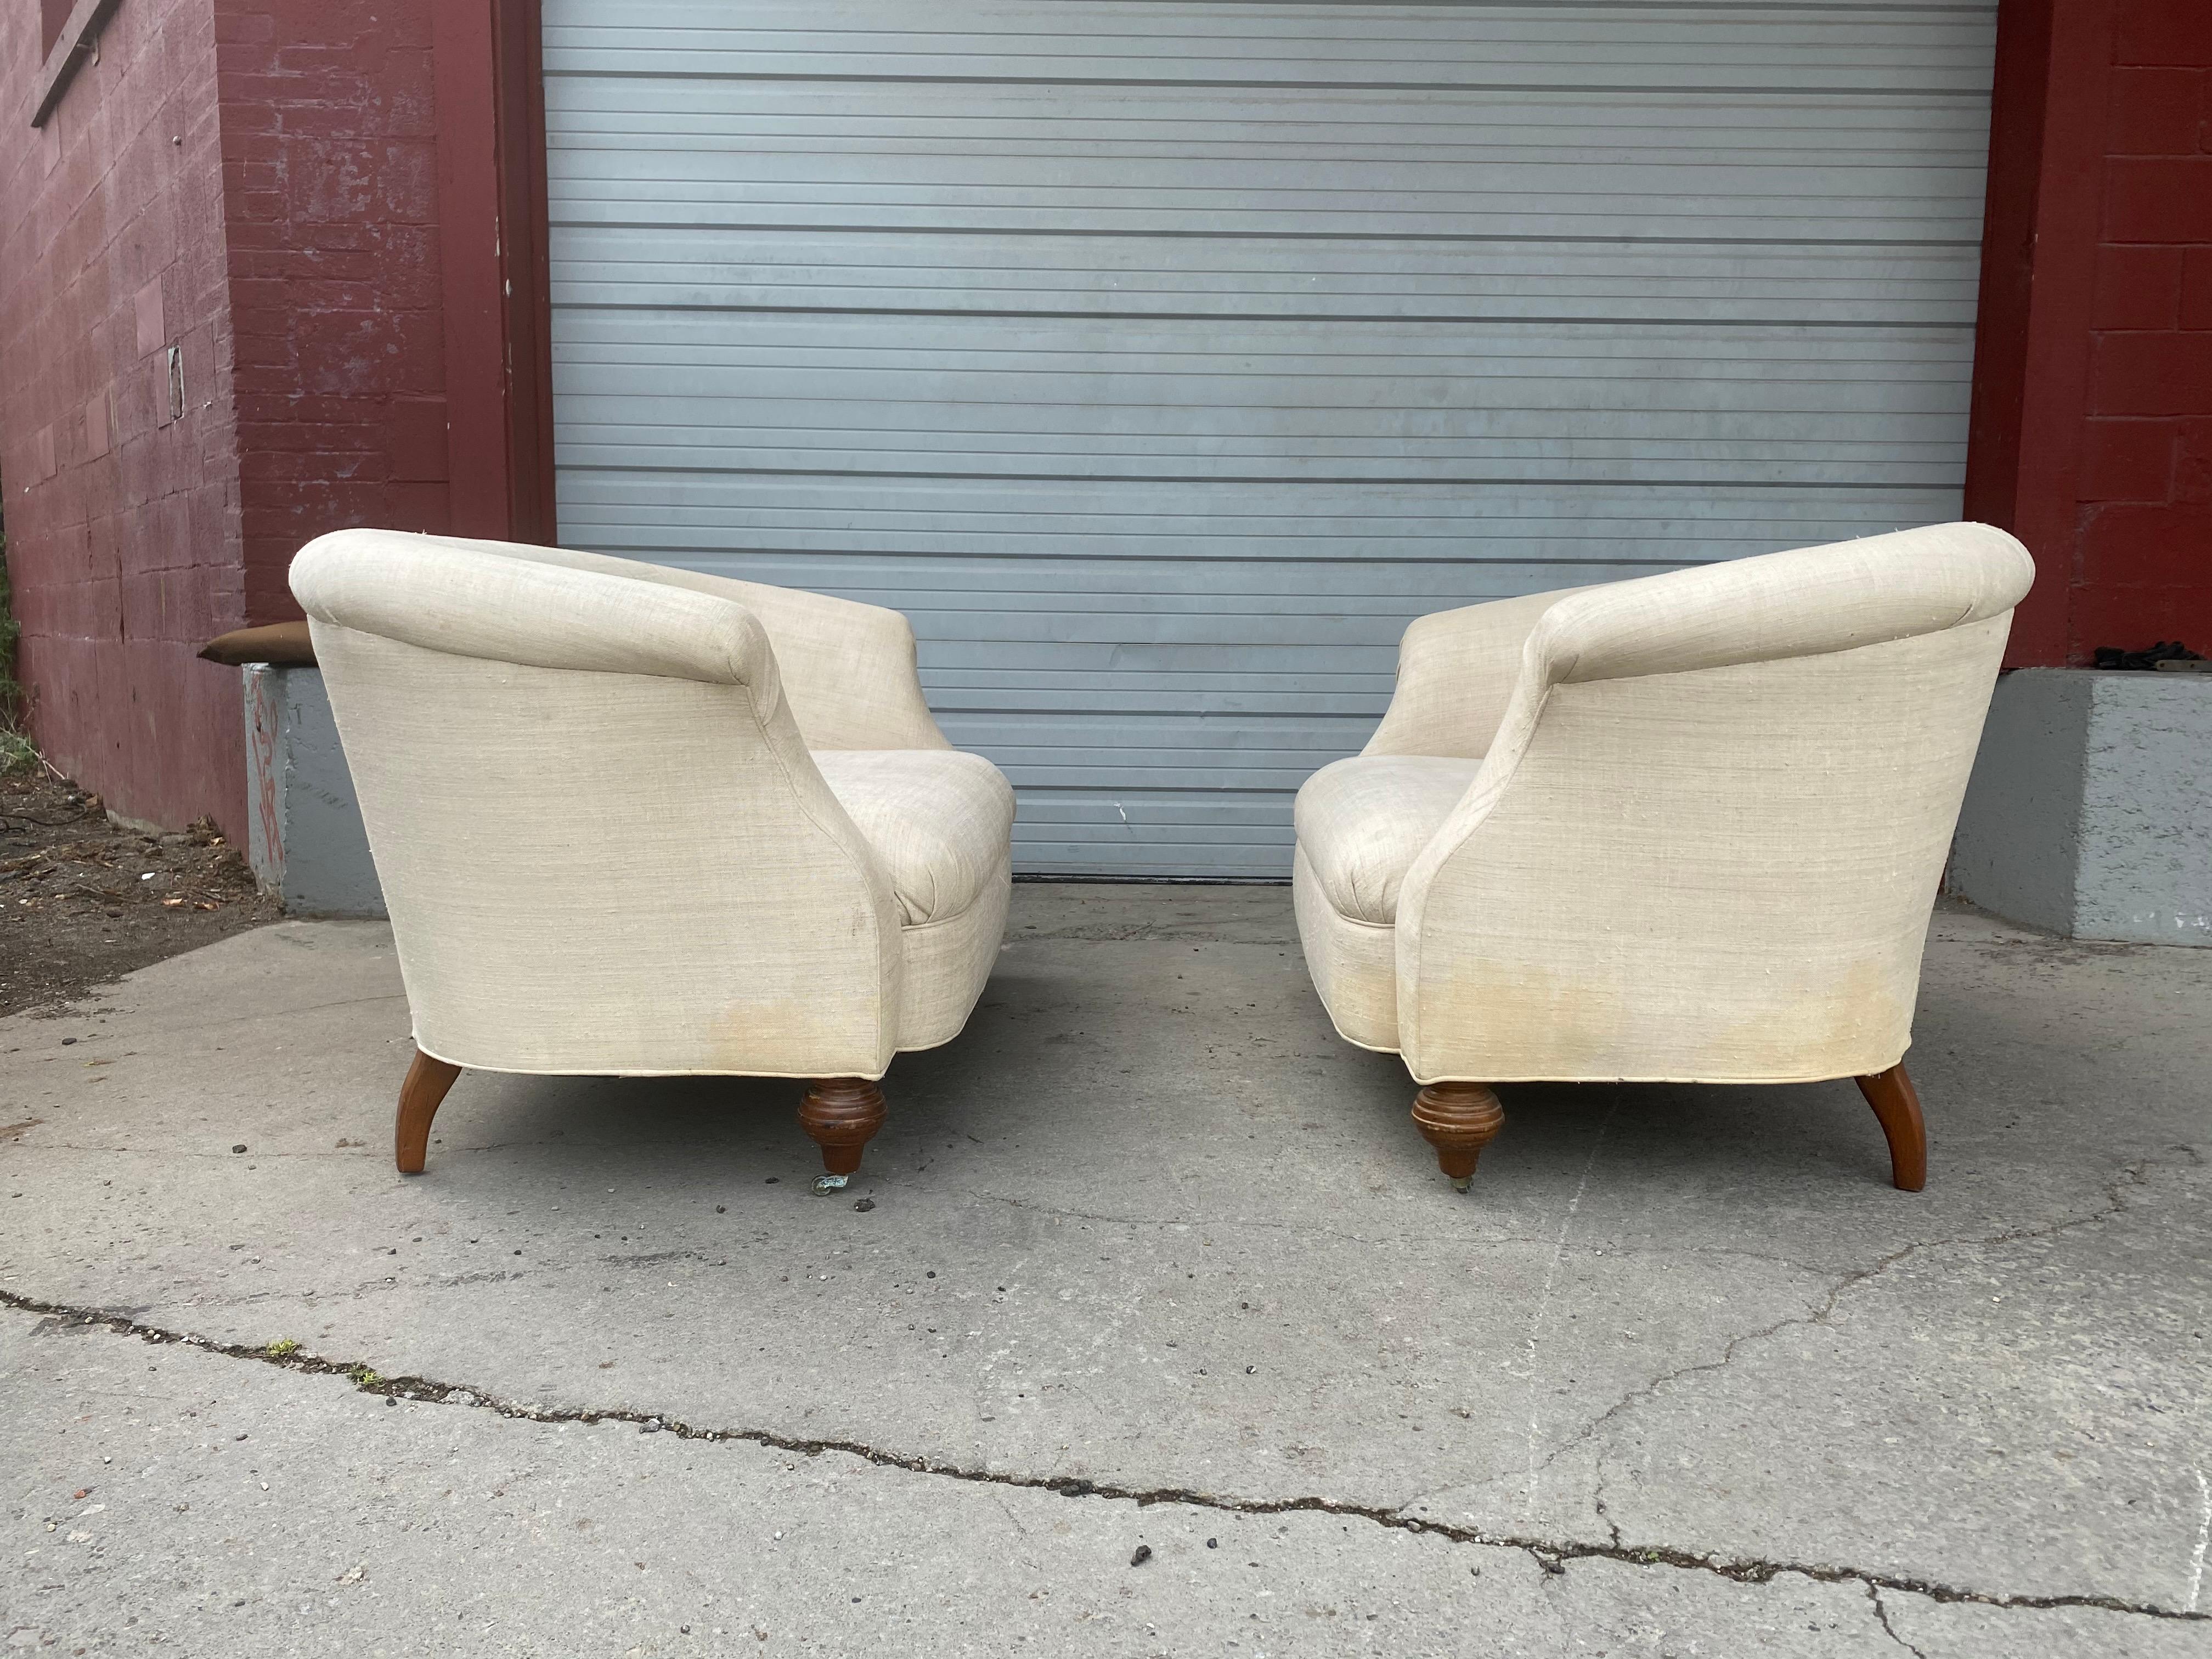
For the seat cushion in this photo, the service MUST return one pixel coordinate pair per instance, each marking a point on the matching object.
(1362, 822)
(947, 963)
(1355, 964)
(940, 822)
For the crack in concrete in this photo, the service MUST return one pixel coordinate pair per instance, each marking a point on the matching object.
(1536, 1468)
(308, 1300)
(1881, 1616)
(1597, 1501)
(312, 1297)
(2133, 1175)
(2203, 1539)
(1552, 1554)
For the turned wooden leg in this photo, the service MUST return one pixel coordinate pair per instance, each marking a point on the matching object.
(1895, 1102)
(1459, 1120)
(420, 1096)
(841, 1114)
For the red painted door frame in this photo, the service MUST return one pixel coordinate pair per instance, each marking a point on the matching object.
(492, 248)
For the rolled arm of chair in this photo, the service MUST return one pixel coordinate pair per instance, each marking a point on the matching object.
(1809, 601)
(472, 601)
(1457, 671)
(848, 669)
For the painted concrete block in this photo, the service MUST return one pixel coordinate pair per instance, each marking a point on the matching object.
(2019, 837)
(2145, 873)
(305, 839)
(2090, 808)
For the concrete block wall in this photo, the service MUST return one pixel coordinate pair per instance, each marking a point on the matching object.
(122, 481)
(2090, 808)
(304, 838)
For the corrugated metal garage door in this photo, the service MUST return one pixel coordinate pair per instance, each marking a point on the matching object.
(1160, 358)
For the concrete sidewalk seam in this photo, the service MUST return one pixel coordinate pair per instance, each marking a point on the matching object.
(1552, 1555)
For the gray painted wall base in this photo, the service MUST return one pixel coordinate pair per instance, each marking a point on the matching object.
(304, 836)
(2090, 808)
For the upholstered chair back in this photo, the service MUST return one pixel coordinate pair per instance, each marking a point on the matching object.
(1708, 828)
(603, 841)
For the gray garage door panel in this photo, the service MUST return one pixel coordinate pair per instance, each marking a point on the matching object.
(1232, 399)
(631, 266)
(1161, 359)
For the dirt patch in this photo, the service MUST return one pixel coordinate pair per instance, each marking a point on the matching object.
(83, 901)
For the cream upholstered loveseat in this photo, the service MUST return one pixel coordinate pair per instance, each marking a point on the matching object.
(634, 820)
(1686, 828)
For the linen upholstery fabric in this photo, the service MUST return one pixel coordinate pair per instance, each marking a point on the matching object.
(1456, 671)
(1707, 827)
(938, 821)
(604, 840)
(1355, 964)
(948, 961)
(1364, 820)
(848, 669)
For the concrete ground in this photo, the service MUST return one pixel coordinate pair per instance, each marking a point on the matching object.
(1148, 1260)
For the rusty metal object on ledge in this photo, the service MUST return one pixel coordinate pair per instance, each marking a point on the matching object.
(285, 644)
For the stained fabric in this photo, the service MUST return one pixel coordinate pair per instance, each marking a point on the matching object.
(1705, 833)
(606, 841)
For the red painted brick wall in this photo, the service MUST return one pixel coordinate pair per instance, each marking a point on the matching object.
(2145, 568)
(122, 518)
(331, 178)
(2092, 379)
(254, 181)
